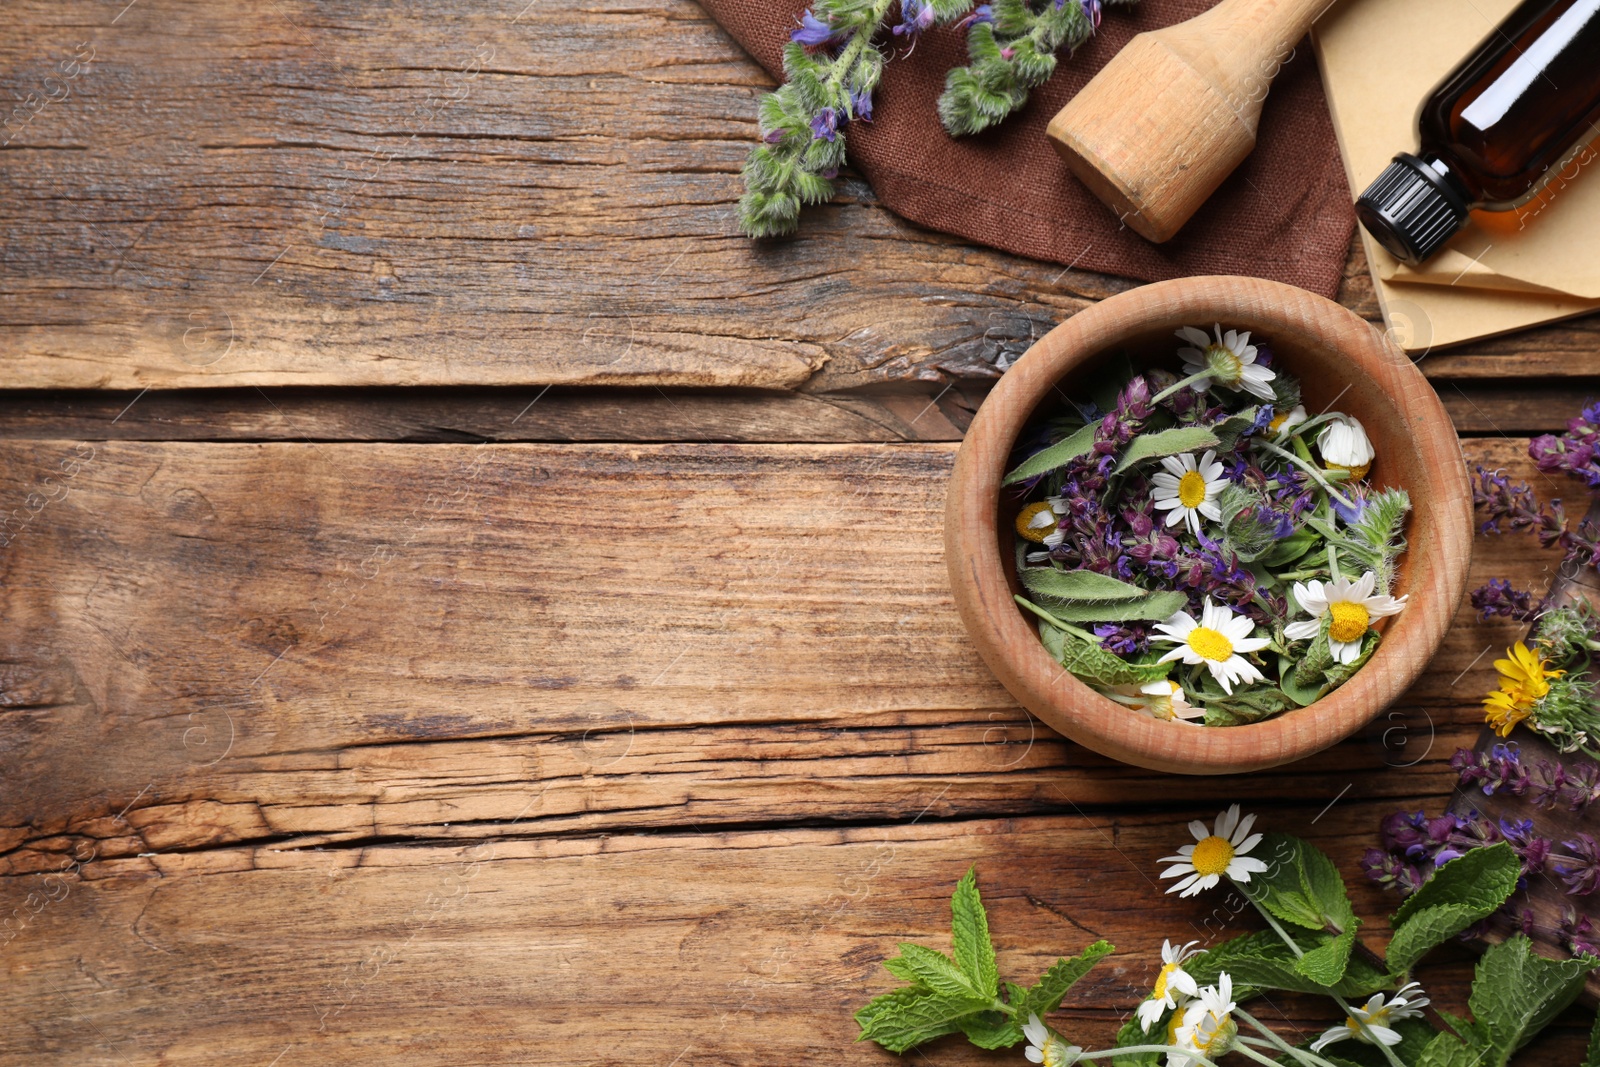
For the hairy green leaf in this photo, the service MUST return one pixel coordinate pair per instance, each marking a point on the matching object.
(1095, 665)
(969, 925)
(1148, 446)
(1153, 608)
(1055, 457)
(1078, 585)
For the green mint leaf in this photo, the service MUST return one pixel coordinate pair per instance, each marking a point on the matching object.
(1262, 961)
(1157, 607)
(1592, 1058)
(913, 1016)
(1515, 993)
(1481, 880)
(969, 926)
(935, 971)
(1133, 1034)
(1300, 886)
(992, 1030)
(1447, 1050)
(1326, 965)
(1148, 446)
(1045, 995)
(1055, 457)
(1078, 585)
(1423, 931)
(900, 968)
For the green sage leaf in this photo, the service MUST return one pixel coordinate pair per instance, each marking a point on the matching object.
(1055, 457)
(1078, 585)
(1180, 439)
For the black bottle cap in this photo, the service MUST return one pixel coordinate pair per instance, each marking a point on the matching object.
(1411, 209)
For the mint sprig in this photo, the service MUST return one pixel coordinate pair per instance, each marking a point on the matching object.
(960, 992)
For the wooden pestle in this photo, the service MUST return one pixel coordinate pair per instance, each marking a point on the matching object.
(1162, 124)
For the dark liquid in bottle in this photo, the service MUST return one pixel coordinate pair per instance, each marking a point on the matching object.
(1494, 128)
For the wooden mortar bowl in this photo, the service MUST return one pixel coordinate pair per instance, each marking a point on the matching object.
(1344, 364)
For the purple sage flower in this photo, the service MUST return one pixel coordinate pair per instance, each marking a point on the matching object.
(1580, 867)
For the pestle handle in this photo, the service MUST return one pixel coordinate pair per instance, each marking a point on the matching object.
(1240, 45)
(1169, 118)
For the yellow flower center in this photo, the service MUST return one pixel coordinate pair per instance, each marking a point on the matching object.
(1191, 490)
(1055, 1054)
(1226, 367)
(1277, 422)
(1212, 855)
(1350, 620)
(1025, 518)
(1210, 644)
(1160, 991)
(1210, 1031)
(1356, 473)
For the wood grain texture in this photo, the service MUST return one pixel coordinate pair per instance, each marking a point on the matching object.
(541, 753)
(1341, 361)
(319, 193)
(347, 643)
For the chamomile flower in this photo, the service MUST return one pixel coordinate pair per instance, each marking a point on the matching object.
(1524, 681)
(1208, 1027)
(1161, 699)
(1187, 489)
(1174, 985)
(1352, 607)
(1216, 641)
(1046, 1047)
(1285, 421)
(1344, 446)
(1224, 852)
(1371, 1024)
(1231, 360)
(1039, 522)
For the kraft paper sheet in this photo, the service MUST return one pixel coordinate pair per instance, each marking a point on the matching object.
(1505, 271)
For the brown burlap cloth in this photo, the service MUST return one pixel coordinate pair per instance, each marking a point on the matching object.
(1284, 214)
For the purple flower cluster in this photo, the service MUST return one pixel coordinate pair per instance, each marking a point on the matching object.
(1576, 452)
(1501, 501)
(1501, 770)
(814, 33)
(1498, 600)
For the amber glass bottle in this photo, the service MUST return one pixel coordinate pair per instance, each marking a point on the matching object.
(1492, 130)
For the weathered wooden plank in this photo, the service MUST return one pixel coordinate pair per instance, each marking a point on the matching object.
(341, 643)
(328, 193)
(324, 193)
(913, 411)
(699, 948)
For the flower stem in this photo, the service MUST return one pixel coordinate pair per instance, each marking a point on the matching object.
(1246, 1050)
(1279, 1043)
(1170, 390)
(1388, 1054)
(1315, 474)
(1195, 1058)
(858, 42)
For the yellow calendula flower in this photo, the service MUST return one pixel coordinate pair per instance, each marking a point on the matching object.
(1524, 681)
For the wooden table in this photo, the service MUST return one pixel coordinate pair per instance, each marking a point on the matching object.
(464, 604)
